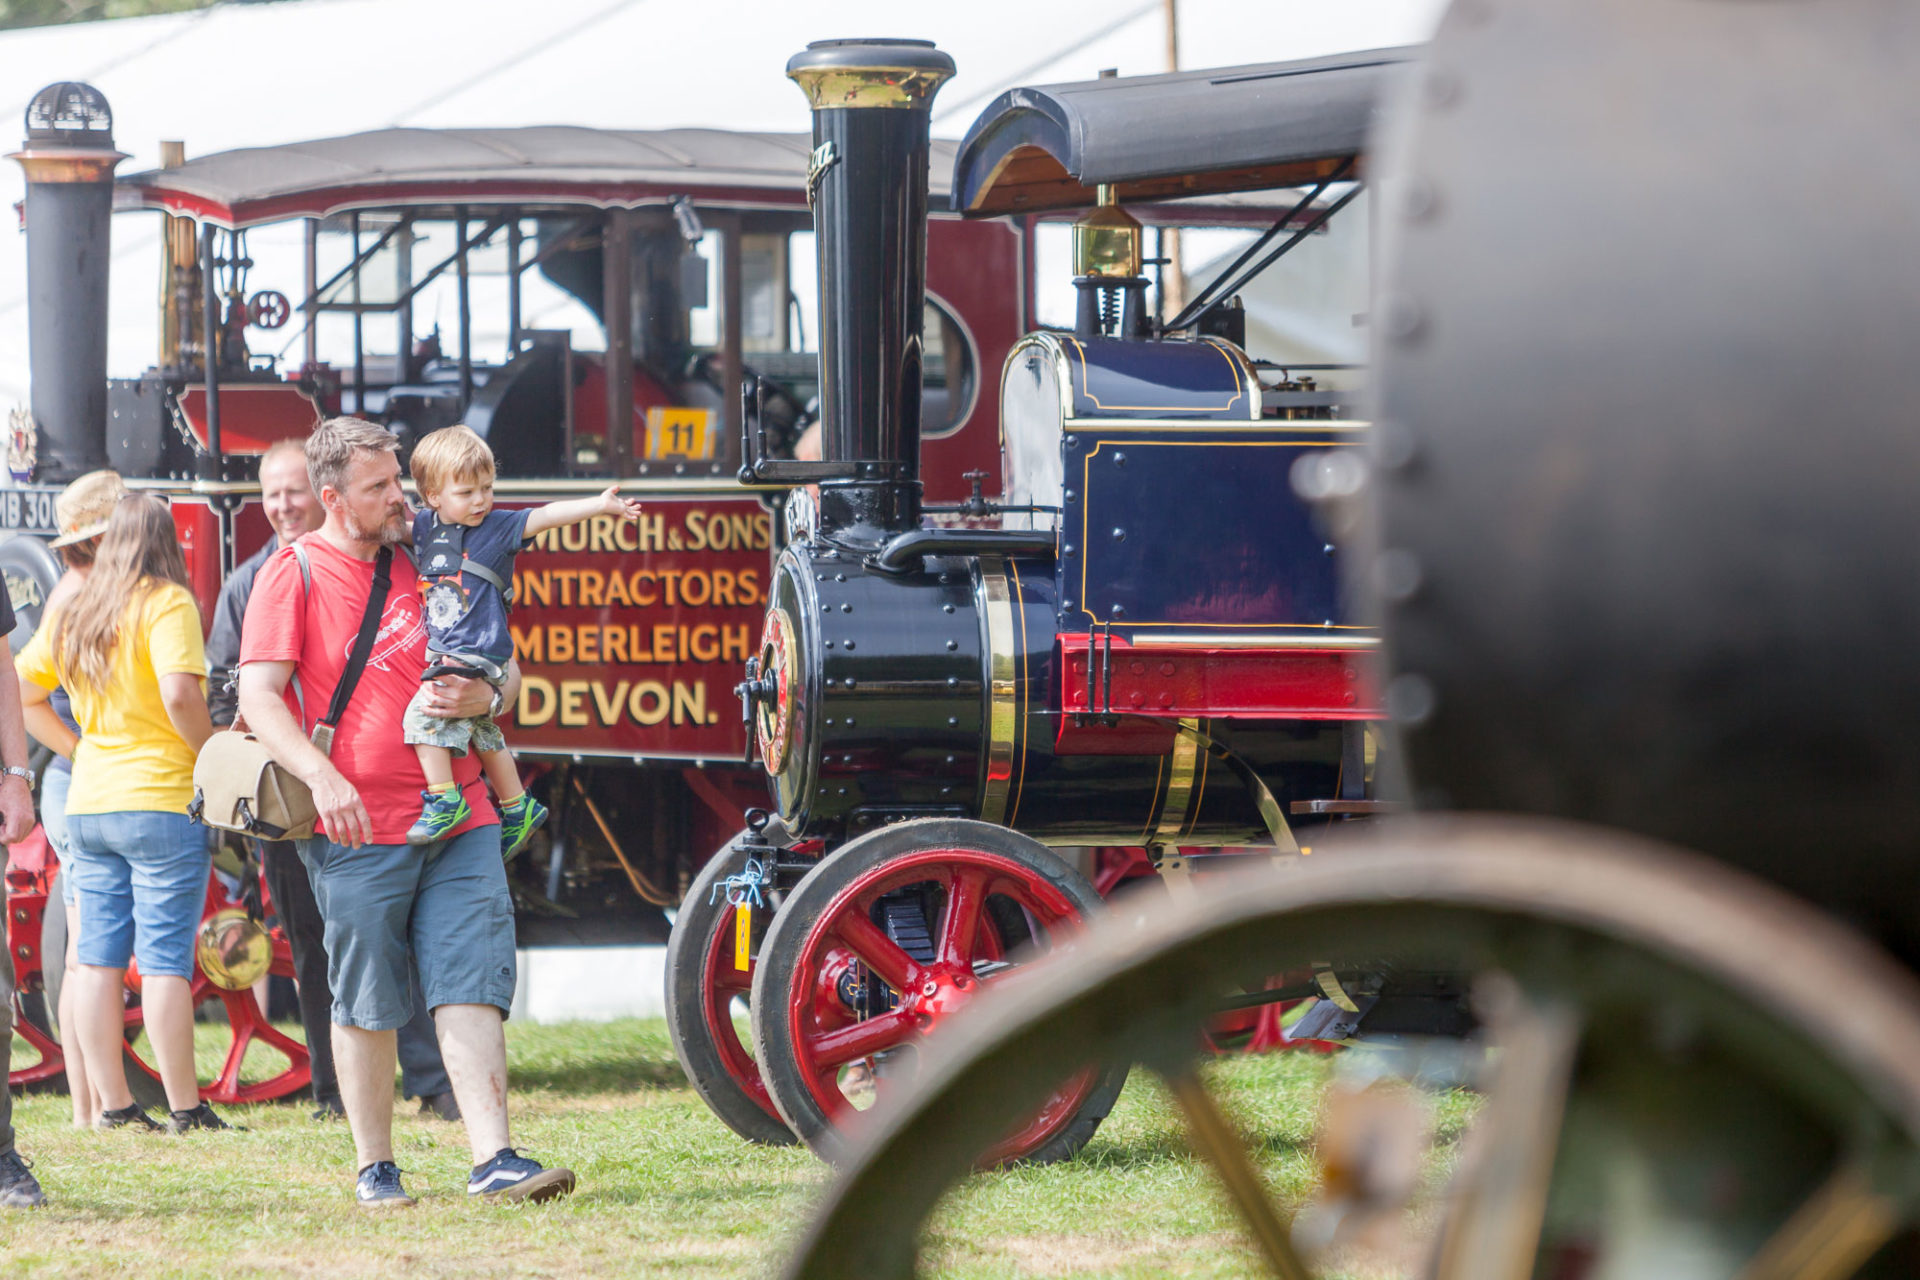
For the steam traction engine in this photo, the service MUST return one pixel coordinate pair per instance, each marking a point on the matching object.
(599, 287)
(1148, 650)
(1649, 636)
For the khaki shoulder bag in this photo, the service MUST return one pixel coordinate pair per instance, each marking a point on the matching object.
(237, 785)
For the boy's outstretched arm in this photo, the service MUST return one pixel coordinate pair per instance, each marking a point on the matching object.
(556, 514)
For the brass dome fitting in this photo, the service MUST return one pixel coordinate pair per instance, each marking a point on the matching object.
(870, 73)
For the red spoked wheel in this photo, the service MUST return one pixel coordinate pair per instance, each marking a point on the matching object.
(26, 901)
(245, 1023)
(703, 984)
(51, 1065)
(883, 942)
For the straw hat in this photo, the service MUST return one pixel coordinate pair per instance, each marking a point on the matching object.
(83, 507)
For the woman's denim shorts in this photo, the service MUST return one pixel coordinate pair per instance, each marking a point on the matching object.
(141, 880)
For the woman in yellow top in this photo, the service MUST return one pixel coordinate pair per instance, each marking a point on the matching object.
(127, 649)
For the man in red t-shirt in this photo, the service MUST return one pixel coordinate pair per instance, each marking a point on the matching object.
(438, 915)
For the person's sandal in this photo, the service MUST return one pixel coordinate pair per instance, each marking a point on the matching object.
(200, 1117)
(132, 1114)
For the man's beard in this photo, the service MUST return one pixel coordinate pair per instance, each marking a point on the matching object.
(391, 531)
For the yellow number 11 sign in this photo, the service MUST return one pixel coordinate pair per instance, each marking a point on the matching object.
(679, 432)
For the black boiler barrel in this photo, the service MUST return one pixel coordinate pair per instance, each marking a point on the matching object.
(867, 181)
(69, 158)
(1662, 579)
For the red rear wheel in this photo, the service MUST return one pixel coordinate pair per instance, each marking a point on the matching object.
(888, 938)
(703, 984)
(245, 1025)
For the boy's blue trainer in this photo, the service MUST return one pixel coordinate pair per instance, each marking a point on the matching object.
(512, 1176)
(519, 819)
(378, 1187)
(439, 815)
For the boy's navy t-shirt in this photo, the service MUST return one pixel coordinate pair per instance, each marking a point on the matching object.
(465, 613)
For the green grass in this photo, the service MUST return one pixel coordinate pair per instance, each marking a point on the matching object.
(665, 1189)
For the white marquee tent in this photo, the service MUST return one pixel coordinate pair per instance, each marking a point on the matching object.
(245, 75)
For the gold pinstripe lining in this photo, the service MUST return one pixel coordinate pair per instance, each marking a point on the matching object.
(1024, 693)
(1153, 802)
(1002, 712)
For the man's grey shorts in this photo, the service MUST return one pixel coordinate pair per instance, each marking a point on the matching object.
(388, 908)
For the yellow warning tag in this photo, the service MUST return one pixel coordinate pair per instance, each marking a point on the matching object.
(742, 936)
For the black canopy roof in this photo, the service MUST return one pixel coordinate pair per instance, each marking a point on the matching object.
(1277, 124)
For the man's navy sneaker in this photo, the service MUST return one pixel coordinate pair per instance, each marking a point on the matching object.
(19, 1189)
(378, 1187)
(512, 1176)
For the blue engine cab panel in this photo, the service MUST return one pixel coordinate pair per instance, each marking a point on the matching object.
(1175, 508)
(1115, 379)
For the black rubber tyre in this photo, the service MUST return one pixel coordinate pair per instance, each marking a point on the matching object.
(717, 1063)
(141, 1083)
(1564, 918)
(1026, 897)
(25, 560)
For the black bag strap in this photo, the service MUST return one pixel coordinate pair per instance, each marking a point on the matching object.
(362, 649)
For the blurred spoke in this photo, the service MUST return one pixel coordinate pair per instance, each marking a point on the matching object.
(1831, 1235)
(1214, 1138)
(1493, 1232)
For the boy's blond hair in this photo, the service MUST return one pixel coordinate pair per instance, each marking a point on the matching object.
(448, 456)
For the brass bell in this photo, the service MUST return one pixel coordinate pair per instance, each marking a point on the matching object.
(233, 950)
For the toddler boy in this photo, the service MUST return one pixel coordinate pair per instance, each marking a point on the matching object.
(464, 551)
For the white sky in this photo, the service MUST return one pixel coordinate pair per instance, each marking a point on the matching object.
(255, 75)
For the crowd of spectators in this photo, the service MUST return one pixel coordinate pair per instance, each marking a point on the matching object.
(400, 944)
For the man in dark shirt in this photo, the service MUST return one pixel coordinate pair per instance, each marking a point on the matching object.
(18, 1187)
(287, 496)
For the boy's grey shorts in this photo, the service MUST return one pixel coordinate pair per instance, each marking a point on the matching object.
(387, 908)
(423, 730)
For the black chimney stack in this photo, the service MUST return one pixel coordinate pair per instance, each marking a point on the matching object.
(867, 182)
(69, 158)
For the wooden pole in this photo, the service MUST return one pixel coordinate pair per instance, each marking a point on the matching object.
(1173, 280)
(616, 253)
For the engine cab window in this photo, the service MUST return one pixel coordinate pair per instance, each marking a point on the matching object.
(420, 318)
(950, 367)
